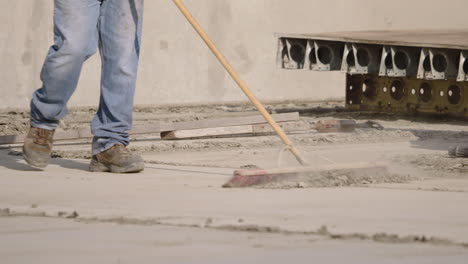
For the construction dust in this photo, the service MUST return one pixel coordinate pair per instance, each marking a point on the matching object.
(412, 135)
(335, 179)
(436, 164)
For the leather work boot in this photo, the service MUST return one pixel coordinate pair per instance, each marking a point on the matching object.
(460, 151)
(38, 147)
(117, 159)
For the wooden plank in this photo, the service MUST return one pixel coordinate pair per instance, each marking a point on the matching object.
(446, 39)
(258, 129)
(163, 126)
(233, 121)
(211, 123)
(286, 126)
(206, 132)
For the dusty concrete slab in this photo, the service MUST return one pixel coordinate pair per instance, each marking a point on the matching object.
(441, 185)
(191, 196)
(44, 240)
(268, 156)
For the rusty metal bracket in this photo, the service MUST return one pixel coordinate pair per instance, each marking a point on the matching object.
(463, 67)
(323, 55)
(361, 58)
(291, 53)
(399, 61)
(438, 64)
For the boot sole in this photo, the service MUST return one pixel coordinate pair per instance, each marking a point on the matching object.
(35, 164)
(96, 166)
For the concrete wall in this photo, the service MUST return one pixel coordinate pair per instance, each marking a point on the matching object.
(176, 67)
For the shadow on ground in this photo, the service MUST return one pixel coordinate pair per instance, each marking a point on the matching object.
(13, 160)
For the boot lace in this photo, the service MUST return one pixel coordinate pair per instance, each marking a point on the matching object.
(123, 150)
(41, 137)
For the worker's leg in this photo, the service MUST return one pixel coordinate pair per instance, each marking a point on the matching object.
(76, 38)
(120, 33)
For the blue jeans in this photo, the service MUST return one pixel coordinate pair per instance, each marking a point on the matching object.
(80, 28)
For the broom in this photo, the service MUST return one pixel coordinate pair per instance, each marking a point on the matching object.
(245, 178)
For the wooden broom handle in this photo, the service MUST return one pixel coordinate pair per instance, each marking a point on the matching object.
(279, 131)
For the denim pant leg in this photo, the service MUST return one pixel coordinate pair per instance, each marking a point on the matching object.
(75, 40)
(120, 27)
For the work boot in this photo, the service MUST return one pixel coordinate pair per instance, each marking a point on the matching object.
(38, 147)
(460, 151)
(117, 159)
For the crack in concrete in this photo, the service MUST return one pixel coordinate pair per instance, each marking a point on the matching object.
(208, 224)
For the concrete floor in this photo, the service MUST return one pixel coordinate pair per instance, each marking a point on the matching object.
(182, 215)
(43, 240)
